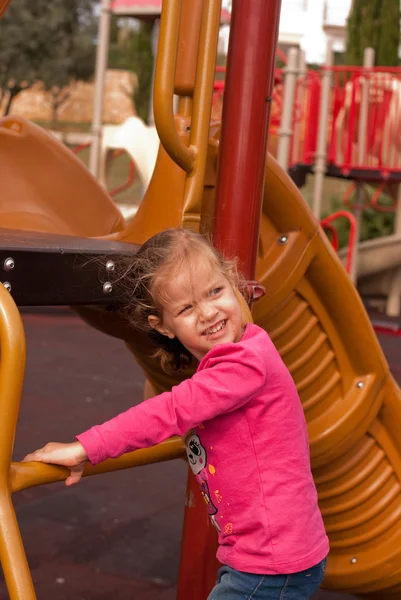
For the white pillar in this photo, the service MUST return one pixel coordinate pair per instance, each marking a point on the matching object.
(368, 62)
(100, 71)
(321, 149)
(299, 100)
(285, 132)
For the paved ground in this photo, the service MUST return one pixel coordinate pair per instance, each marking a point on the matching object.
(118, 535)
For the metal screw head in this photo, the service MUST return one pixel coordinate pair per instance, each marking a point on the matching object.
(353, 560)
(360, 385)
(110, 266)
(283, 239)
(107, 287)
(7, 285)
(9, 264)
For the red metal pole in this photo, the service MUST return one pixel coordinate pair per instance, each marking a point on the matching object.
(243, 147)
(243, 142)
(198, 564)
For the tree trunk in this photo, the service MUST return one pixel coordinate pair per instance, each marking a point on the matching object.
(54, 118)
(58, 99)
(12, 93)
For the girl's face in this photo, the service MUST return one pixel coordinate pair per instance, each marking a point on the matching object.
(202, 311)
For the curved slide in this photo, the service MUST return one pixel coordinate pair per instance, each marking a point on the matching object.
(311, 311)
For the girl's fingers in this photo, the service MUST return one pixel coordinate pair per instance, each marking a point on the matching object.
(74, 477)
(33, 457)
(75, 474)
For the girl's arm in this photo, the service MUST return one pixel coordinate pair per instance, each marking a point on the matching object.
(232, 378)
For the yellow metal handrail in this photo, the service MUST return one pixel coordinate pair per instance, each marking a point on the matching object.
(192, 158)
(26, 475)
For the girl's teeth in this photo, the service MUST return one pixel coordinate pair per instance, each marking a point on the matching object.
(216, 329)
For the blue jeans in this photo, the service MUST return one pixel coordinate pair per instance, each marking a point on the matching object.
(236, 585)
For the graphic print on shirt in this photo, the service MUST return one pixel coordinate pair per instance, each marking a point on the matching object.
(197, 459)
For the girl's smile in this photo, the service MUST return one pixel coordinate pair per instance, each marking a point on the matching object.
(202, 308)
(214, 331)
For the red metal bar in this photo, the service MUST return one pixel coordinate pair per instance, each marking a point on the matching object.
(246, 112)
(326, 222)
(387, 328)
(328, 227)
(198, 563)
(126, 184)
(352, 121)
(281, 55)
(350, 192)
(116, 154)
(376, 197)
(77, 149)
(312, 119)
(338, 99)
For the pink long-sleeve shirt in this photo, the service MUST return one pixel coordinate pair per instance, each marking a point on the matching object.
(248, 447)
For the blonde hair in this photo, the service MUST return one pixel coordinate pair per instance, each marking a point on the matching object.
(143, 279)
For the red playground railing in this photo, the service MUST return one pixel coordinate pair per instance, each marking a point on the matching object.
(363, 125)
(116, 153)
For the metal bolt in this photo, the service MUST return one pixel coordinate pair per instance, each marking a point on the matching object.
(107, 287)
(360, 385)
(110, 266)
(9, 264)
(7, 285)
(283, 239)
(353, 560)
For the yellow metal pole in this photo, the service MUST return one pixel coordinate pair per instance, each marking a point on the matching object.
(12, 341)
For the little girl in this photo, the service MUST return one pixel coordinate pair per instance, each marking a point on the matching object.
(241, 415)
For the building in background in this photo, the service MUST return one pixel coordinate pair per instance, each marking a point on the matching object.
(335, 15)
(307, 23)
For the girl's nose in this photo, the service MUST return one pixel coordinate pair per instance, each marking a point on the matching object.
(207, 312)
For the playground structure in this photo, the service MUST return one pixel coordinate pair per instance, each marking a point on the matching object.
(135, 137)
(141, 141)
(55, 216)
(339, 122)
(344, 122)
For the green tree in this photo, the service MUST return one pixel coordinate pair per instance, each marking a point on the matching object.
(131, 49)
(375, 24)
(389, 40)
(51, 42)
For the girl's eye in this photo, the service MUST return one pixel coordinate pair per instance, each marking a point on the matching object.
(216, 291)
(185, 309)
